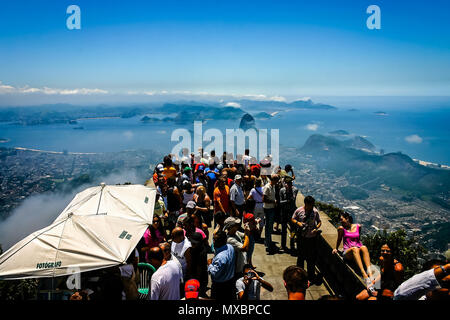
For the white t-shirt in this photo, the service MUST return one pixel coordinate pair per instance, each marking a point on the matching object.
(178, 250)
(269, 192)
(257, 194)
(187, 197)
(237, 241)
(126, 271)
(253, 290)
(165, 283)
(246, 160)
(237, 194)
(416, 288)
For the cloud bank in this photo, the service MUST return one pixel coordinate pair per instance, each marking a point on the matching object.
(233, 104)
(7, 89)
(39, 211)
(312, 127)
(413, 139)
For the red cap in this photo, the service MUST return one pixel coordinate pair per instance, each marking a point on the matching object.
(191, 289)
(255, 168)
(249, 217)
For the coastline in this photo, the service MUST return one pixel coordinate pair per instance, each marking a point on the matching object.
(54, 152)
(418, 161)
(431, 164)
(97, 118)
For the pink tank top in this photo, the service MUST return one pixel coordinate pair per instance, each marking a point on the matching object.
(351, 239)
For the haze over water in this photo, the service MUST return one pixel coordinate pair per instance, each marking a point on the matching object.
(417, 127)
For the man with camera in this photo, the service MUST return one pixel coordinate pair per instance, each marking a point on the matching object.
(307, 221)
(249, 286)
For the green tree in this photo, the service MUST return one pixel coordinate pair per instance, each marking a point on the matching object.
(404, 249)
(18, 289)
(331, 211)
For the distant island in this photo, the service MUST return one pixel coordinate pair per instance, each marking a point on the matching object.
(247, 122)
(282, 105)
(180, 112)
(262, 116)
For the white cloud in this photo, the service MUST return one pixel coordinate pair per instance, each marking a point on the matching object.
(5, 88)
(278, 99)
(312, 127)
(233, 104)
(49, 91)
(304, 99)
(413, 139)
(260, 97)
(9, 89)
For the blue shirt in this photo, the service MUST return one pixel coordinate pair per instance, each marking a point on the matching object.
(212, 176)
(223, 264)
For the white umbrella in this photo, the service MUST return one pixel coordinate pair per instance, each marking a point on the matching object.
(99, 228)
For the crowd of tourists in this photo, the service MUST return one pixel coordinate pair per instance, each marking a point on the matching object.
(242, 202)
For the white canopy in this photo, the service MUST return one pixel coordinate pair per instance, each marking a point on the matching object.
(99, 228)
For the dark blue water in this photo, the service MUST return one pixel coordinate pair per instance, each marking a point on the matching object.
(388, 132)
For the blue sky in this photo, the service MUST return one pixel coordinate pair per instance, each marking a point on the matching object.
(271, 48)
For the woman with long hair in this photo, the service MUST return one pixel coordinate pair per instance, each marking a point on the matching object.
(254, 200)
(354, 250)
(154, 235)
(390, 278)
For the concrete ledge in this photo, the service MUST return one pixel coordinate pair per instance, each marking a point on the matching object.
(339, 276)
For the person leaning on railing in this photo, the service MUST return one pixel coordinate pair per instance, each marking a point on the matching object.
(307, 221)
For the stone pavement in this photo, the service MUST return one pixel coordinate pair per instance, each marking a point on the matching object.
(273, 266)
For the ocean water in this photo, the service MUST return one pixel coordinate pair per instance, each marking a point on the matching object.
(427, 128)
